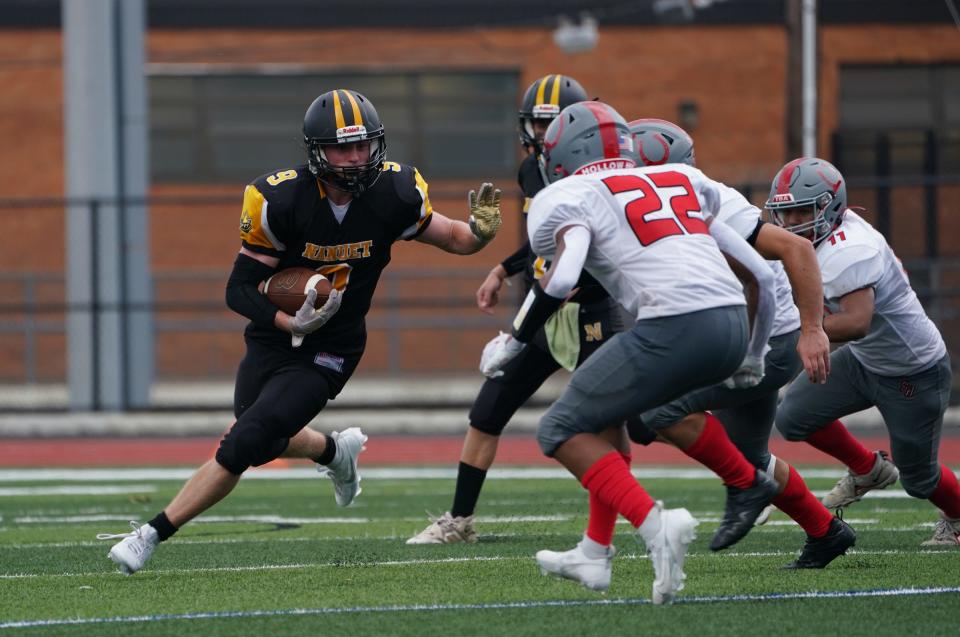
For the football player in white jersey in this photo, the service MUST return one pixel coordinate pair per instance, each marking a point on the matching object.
(893, 356)
(647, 235)
(746, 414)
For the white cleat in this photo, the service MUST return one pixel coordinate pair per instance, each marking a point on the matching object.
(593, 573)
(446, 530)
(343, 469)
(136, 547)
(668, 550)
(852, 487)
(945, 533)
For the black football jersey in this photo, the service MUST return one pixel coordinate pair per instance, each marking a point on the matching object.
(531, 182)
(287, 215)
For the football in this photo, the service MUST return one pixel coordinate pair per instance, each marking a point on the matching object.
(287, 289)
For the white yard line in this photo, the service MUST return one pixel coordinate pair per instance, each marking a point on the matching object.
(442, 560)
(294, 612)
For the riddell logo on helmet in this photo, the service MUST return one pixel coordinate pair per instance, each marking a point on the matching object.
(351, 131)
(546, 110)
(783, 198)
(604, 164)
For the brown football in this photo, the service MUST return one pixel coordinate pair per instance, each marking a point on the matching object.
(287, 289)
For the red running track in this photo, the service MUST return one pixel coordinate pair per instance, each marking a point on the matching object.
(381, 450)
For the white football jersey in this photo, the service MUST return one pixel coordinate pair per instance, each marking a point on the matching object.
(902, 340)
(650, 247)
(743, 216)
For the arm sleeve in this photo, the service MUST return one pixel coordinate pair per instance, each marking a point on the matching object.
(517, 261)
(565, 271)
(733, 245)
(243, 297)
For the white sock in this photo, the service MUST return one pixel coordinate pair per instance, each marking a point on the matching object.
(593, 549)
(651, 524)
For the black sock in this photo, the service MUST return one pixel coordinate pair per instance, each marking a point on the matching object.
(162, 524)
(469, 483)
(329, 451)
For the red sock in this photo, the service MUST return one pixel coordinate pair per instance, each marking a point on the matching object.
(947, 494)
(796, 501)
(714, 450)
(603, 519)
(835, 440)
(613, 484)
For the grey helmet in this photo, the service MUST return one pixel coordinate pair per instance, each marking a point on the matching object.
(813, 182)
(587, 137)
(662, 142)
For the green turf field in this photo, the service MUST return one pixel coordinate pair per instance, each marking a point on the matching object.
(278, 556)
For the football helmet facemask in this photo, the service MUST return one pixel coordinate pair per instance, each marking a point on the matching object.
(343, 116)
(662, 142)
(587, 137)
(543, 100)
(809, 182)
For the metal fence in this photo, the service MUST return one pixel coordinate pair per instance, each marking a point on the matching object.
(423, 320)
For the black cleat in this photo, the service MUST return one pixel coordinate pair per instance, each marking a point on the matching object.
(820, 551)
(741, 511)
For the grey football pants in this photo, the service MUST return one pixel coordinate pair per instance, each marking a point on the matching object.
(912, 408)
(747, 414)
(652, 363)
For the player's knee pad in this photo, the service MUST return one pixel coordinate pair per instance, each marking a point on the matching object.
(639, 432)
(789, 429)
(491, 427)
(248, 444)
(920, 482)
(495, 405)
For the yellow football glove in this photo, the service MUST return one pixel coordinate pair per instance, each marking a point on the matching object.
(485, 212)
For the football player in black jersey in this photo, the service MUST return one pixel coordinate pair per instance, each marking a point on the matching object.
(338, 214)
(589, 318)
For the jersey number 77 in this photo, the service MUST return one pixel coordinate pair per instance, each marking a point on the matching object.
(647, 215)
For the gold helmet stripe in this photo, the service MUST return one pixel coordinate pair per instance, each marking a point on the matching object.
(357, 118)
(541, 89)
(555, 91)
(338, 110)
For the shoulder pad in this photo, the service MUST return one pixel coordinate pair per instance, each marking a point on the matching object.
(848, 265)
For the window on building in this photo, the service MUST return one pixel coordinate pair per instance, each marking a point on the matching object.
(899, 120)
(230, 127)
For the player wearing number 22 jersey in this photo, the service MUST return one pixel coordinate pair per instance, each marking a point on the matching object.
(644, 234)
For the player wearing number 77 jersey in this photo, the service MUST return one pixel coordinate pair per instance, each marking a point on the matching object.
(340, 214)
(644, 234)
(892, 356)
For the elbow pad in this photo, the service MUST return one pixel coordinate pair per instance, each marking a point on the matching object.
(242, 294)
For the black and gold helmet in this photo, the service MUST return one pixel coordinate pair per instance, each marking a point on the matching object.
(544, 100)
(343, 116)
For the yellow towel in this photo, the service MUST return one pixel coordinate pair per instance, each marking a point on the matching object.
(563, 335)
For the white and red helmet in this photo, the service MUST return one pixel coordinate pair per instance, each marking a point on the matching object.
(809, 182)
(587, 137)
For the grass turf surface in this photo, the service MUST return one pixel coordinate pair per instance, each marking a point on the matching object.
(281, 547)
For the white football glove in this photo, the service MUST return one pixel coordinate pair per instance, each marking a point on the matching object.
(308, 320)
(485, 212)
(497, 353)
(749, 375)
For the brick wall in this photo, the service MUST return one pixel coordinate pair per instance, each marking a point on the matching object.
(735, 74)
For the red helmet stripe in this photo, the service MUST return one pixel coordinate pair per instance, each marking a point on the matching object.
(608, 129)
(786, 174)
